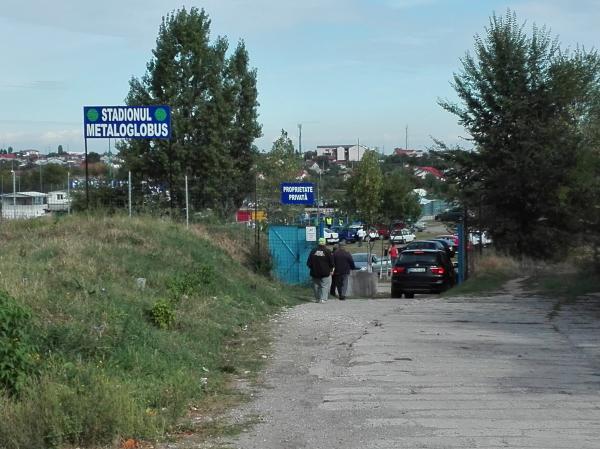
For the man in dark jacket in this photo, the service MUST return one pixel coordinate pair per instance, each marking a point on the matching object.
(343, 262)
(320, 262)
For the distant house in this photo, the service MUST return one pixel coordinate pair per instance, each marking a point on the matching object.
(58, 201)
(23, 205)
(422, 172)
(342, 154)
(408, 153)
(8, 157)
(30, 154)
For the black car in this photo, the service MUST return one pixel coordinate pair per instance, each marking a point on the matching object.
(426, 244)
(449, 248)
(421, 271)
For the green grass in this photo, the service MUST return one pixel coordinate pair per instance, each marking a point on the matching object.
(567, 286)
(484, 283)
(491, 273)
(106, 371)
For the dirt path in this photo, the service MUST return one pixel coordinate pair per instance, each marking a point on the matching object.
(430, 373)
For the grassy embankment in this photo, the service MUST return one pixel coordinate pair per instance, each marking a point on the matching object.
(105, 359)
(563, 281)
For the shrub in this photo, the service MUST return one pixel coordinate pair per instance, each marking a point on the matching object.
(260, 260)
(17, 355)
(163, 314)
(191, 283)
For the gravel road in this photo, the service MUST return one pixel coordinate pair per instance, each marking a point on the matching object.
(490, 372)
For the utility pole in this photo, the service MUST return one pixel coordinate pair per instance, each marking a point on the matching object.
(300, 138)
(14, 196)
(406, 141)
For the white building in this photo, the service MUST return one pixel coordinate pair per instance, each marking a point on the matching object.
(58, 201)
(23, 205)
(342, 154)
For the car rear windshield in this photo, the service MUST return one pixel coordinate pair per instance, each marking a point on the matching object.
(359, 257)
(422, 245)
(425, 258)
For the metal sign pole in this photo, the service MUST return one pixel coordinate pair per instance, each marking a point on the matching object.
(187, 204)
(68, 193)
(87, 182)
(129, 193)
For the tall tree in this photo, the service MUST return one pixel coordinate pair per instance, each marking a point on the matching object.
(365, 186)
(213, 101)
(399, 202)
(281, 164)
(521, 102)
(60, 150)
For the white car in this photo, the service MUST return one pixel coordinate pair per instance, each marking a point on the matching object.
(330, 236)
(477, 237)
(401, 236)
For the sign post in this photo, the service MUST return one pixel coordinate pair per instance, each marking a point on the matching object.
(124, 122)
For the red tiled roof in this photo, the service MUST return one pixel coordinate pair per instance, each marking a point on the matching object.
(8, 156)
(434, 171)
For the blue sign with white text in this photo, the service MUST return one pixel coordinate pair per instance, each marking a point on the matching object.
(297, 193)
(127, 122)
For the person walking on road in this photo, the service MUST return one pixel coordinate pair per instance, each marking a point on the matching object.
(393, 253)
(320, 263)
(343, 262)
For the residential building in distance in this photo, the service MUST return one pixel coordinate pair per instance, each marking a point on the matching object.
(342, 154)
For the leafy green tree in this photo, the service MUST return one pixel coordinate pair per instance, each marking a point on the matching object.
(365, 187)
(60, 150)
(281, 164)
(398, 199)
(213, 101)
(521, 100)
(93, 157)
(10, 150)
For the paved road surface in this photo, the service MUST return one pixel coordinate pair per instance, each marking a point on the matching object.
(493, 372)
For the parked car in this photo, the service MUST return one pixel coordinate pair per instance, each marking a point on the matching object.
(476, 237)
(364, 235)
(359, 230)
(450, 215)
(347, 234)
(383, 231)
(448, 247)
(427, 244)
(401, 236)
(421, 271)
(373, 234)
(420, 226)
(451, 239)
(330, 236)
(378, 264)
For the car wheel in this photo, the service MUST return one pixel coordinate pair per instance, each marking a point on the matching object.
(396, 292)
(409, 295)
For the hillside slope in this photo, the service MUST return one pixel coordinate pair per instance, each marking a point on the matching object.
(99, 355)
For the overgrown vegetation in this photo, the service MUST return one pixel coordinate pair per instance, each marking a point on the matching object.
(492, 272)
(531, 111)
(100, 354)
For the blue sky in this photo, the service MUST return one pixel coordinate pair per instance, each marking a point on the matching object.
(345, 69)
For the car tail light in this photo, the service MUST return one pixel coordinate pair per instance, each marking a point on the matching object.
(398, 270)
(437, 270)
